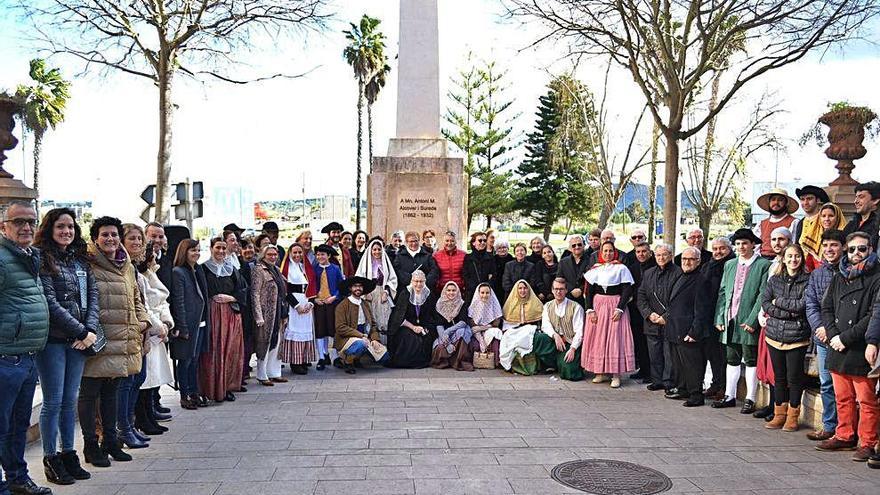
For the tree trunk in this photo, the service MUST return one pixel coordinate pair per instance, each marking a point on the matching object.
(38, 153)
(604, 215)
(370, 136)
(163, 157)
(360, 138)
(705, 217)
(670, 194)
(652, 189)
(547, 229)
(488, 222)
(470, 218)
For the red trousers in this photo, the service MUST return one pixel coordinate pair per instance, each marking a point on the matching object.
(847, 390)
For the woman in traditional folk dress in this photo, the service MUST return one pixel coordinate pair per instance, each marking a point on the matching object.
(522, 317)
(298, 347)
(608, 343)
(484, 318)
(376, 265)
(220, 368)
(452, 346)
(411, 329)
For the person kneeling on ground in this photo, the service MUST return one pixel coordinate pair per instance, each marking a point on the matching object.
(557, 345)
(356, 331)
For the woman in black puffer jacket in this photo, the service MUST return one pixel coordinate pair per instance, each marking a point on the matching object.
(73, 323)
(787, 335)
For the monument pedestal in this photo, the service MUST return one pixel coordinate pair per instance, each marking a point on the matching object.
(417, 193)
(843, 196)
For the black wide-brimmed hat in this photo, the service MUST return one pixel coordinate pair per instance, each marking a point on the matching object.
(746, 234)
(233, 228)
(345, 285)
(331, 227)
(328, 250)
(817, 191)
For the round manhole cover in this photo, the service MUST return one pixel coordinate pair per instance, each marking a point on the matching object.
(607, 477)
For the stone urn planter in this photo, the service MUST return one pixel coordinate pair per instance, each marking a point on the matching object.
(8, 109)
(846, 131)
(10, 188)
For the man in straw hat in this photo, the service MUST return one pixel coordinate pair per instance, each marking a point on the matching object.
(780, 205)
(356, 330)
(736, 317)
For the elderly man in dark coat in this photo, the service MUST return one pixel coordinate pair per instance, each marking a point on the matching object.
(572, 269)
(722, 252)
(689, 327)
(653, 301)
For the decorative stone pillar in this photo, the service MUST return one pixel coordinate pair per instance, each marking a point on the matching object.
(10, 188)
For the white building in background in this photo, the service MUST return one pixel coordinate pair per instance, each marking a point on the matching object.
(225, 205)
(336, 208)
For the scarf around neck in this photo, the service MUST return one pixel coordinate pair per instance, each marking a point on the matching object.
(484, 313)
(852, 272)
(447, 308)
(220, 269)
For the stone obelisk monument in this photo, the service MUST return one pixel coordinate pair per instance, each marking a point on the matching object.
(417, 186)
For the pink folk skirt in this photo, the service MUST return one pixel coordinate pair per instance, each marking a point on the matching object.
(608, 344)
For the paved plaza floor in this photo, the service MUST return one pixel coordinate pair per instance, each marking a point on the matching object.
(445, 432)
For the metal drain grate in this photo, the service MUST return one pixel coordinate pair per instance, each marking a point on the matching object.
(608, 477)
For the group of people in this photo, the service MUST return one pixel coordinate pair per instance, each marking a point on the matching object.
(99, 322)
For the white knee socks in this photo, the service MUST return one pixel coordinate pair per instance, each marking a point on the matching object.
(732, 381)
(751, 383)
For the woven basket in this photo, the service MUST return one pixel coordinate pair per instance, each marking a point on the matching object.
(484, 360)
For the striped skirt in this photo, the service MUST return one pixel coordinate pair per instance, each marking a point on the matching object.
(294, 352)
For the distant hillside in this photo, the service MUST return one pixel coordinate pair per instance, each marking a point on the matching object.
(639, 193)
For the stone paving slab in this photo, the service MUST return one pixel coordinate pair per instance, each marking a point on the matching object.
(422, 432)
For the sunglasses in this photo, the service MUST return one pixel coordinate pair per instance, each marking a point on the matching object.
(21, 222)
(481, 240)
(861, 249)
(578, 244)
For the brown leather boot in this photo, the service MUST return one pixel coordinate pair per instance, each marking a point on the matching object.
(779, 415)
(791, 419)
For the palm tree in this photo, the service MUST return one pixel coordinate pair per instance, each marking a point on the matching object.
(371, 92)
(365, 55)
(44, 105)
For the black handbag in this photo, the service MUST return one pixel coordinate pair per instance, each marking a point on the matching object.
(101, 341)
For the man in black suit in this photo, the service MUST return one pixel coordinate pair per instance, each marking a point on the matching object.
(155, 233)
(696, 239)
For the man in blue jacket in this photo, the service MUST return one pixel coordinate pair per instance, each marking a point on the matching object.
(24, 327)
(833, 242)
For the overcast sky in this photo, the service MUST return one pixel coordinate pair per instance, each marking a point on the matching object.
(266, 136)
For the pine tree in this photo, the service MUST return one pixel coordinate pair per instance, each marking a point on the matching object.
(552, 184)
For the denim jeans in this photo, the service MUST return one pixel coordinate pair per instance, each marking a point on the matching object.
(359, 348)
(826, 389)
(188, 376)
(61, 368)
(18, 380)
(128, 394)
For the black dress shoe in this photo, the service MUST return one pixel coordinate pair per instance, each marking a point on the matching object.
(201, 401)
(637, 376)
(230, 397)
(724, 403)
(763, 412)
(646, 380)
(748, 407)
(694, 402)
(299, 369)
(349, 368)
(28, 487)
(676, 396)
(337, 363)
(188, 403)
(655, 386)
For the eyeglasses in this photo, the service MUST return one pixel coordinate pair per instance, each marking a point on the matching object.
(558, 288)
(21, 222)
(577, 244)
(689, 259)
(637, 237)
(862, 249)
